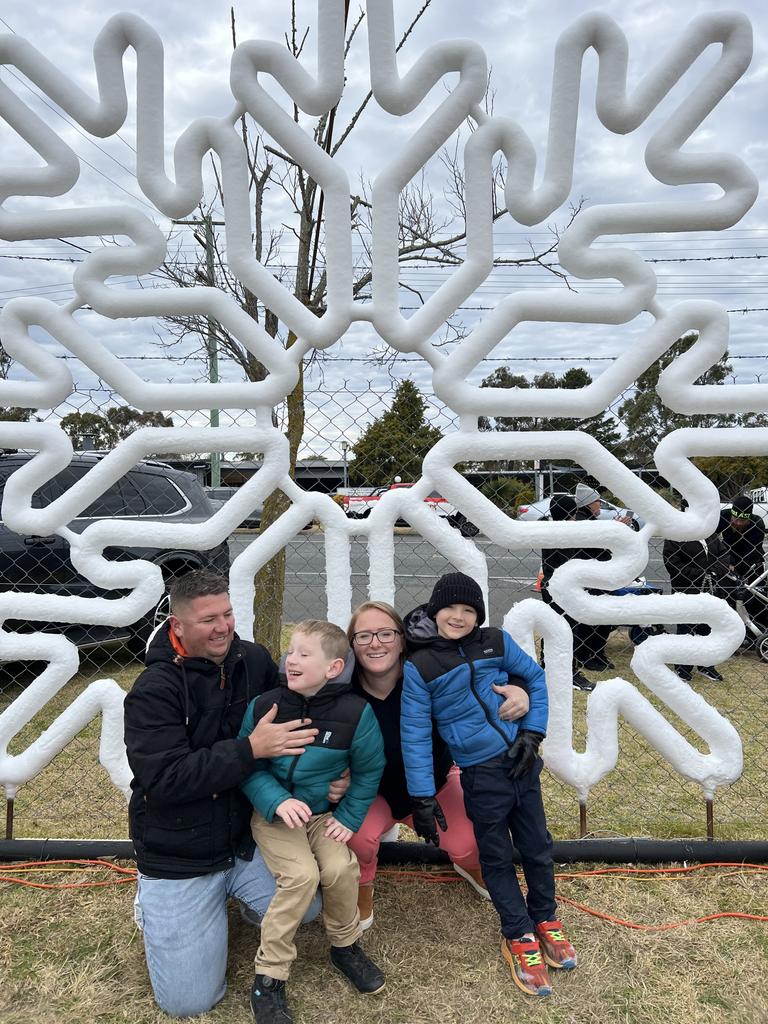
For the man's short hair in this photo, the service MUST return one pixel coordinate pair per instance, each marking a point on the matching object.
(198, 583)
(333, 640)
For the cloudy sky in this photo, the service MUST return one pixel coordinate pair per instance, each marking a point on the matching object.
(519, 38)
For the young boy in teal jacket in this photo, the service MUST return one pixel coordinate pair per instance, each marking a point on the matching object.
(451, 669)
(302, 840)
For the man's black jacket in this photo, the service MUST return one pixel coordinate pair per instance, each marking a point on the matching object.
(187, 814)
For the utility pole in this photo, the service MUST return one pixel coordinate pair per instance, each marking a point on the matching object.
(207, 223)
(344, 447)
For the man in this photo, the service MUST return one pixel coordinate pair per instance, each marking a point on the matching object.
(589, 641)
(738, 548)
(687, 562)
(189, 820)
(562, 507)
(737, 554)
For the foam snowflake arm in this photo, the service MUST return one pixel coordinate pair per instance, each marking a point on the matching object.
(517, 663)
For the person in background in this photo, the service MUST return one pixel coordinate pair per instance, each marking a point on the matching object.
(738, 547)
(687, 563)
(376, 633)
(562, 507)
(589, 640)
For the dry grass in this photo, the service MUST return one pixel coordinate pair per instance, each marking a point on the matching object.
(76, 957)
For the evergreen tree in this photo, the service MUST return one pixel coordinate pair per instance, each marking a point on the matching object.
(646, 418)
(395, 443)
(602, 426)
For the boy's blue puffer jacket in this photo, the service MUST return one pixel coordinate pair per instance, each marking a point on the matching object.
(451, 682)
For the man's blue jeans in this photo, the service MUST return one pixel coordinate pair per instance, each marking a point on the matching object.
(184, 921)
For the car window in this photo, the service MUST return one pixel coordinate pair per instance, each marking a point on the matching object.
(160, 496)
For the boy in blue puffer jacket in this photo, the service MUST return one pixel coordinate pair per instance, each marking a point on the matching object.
(449, 676)
(302, 839)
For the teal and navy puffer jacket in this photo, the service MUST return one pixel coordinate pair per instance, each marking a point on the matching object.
(451, 682)
(348, 737)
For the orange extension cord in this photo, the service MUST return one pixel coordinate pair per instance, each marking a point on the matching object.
(9, 873)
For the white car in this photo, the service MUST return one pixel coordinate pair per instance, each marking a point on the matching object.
(538, 509)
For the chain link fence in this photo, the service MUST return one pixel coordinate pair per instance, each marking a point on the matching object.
(359, 439)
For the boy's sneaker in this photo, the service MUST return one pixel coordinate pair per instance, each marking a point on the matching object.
(555, 947)
(268, 1001)
(475, 878)
(529, 972)
(357, 968)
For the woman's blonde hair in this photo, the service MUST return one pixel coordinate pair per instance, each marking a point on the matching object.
(386, 609)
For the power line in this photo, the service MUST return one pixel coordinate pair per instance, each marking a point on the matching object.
(40, 96)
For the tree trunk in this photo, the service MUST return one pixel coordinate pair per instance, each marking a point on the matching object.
(270, 580)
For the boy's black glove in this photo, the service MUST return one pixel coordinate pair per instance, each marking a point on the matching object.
(523, 752)
(426, 811)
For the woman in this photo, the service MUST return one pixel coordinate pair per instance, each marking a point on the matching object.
(377, 637)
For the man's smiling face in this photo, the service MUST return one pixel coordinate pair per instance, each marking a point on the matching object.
(205, 627)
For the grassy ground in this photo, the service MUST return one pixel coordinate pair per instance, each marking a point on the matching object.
(75, 956)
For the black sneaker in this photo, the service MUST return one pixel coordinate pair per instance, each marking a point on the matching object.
(581, 682)
(597, 665)
(357, 968)
(685, 672)
(268, 1001)
(710, 672)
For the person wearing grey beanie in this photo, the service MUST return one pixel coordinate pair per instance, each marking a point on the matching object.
(586, 496)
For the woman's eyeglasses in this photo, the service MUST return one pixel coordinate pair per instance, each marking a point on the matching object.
(384, 636)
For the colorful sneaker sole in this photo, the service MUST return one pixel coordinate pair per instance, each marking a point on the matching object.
(543, 990)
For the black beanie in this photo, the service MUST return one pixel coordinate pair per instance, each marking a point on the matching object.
(743, 505)
(562, 507)
(456, 588)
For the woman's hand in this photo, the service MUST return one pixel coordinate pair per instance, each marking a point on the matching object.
(516, 702)
(335, 830)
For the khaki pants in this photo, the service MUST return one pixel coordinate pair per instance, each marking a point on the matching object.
(301, 859)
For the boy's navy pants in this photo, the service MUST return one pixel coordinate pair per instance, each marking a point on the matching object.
(497, 806)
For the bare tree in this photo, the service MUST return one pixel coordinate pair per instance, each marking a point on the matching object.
(432, 230)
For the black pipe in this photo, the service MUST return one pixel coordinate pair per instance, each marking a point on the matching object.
(568, 851)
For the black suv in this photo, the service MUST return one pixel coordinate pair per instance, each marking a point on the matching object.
(149, 491)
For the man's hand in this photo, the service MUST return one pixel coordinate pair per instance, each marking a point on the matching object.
(294, 813)
(339, 787)
(516, 702)
(335, 830)
(522, 754)
(284, 739)
(426, 811)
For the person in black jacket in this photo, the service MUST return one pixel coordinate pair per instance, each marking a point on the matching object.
(737, 555)
(190, 823)
(562, 507)
(738, 548)
(687, 562)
